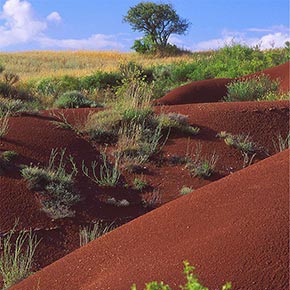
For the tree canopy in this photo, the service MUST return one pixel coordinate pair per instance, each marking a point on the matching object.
(157, 21)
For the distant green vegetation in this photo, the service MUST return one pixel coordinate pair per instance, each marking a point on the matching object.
(100, 86)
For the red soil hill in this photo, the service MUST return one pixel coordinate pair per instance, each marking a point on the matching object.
(235, 229)
(280, 72)
(213, 90)
(33, 138)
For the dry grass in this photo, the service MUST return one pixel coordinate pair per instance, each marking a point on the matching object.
(39, 64)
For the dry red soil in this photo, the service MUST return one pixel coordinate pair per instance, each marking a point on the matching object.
(235, 229)
(214, 90)
(232, 227)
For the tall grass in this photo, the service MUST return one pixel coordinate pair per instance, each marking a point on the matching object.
(39, 64)
(17, 256)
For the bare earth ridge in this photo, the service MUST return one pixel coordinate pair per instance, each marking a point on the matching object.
(235, 229)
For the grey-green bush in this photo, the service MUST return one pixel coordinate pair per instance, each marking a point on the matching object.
(73, 99)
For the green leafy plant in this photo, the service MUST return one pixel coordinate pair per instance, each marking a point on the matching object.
(192, 282)
(17, 255)
(55, 184)
(157, 21)
(109, 175)
(73, 99)
(90, 233)
(256, 88)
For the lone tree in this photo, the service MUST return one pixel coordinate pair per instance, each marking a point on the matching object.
(158, 22)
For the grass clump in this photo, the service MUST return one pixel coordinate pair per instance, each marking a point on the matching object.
(241, 142)
(200, 166)
(103, 126)
(90, 233)
(11, 106)
(177, 122)
(256, 88)
(4, 124)
(109, 174)
(6, 159)
(281, 144)
(73, 99)
(55, 184)
(17, 256)
(139, 183)
(192, 282)
(185, 190)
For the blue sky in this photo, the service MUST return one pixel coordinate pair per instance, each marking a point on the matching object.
(98, 25)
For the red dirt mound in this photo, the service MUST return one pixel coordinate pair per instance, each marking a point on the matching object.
(280, 72)
(235, 229)
(33, 138)
(205, 91)
(212, 90)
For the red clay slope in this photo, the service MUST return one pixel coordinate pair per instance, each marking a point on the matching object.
(33, 138)
(212, 90)
(235, 229)
(280, 72)
(205, 91)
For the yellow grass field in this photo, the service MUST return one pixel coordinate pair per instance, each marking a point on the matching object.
(39, 64)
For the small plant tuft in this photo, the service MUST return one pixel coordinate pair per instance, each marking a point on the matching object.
(280, 144)
(186, 190)
(202, 167)
(139, 183)
(90, 233)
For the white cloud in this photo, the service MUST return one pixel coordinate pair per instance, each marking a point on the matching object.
(275, 36)
(96, 41)
(21, 26)
(54, 17)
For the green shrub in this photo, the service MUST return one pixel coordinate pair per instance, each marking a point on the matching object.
(11, 106)
(256, 88)
(16, 259)
(55, 184)
(100, 80)
(73, 99)
(55, 86)
(192, 282)
(177, 122)
(103, 126)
